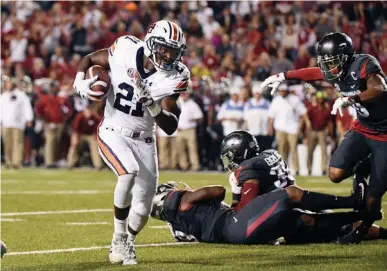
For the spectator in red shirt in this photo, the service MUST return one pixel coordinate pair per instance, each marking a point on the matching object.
(303, 58)
(84, 131)
(210, 59)
(54, 111)
(320, 117)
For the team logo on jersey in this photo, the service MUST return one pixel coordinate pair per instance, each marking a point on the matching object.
(148, 140)
(131, 72)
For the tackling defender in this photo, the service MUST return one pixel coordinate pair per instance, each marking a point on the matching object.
(139, 98)
(362, 83)
(254, 173)
(200, 215)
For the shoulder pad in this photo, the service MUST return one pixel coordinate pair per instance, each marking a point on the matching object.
(368, 65)
(123, 44)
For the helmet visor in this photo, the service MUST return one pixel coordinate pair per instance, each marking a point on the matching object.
(166, 56)
(228, 163)
(332, 66)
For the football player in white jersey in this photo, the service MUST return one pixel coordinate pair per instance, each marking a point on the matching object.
(139, 99)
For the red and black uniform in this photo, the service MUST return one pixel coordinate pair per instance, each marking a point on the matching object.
(269, 169)
(264, 219)
(368, 134)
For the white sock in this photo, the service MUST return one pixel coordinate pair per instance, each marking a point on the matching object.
(131, 237)
(120, 226)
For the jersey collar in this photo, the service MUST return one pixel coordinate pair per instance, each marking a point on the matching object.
(140, 64)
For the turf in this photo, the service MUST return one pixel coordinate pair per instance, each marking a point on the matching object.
(31, 190)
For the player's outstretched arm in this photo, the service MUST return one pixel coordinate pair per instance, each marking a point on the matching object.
(82, 85)
(306, 74)
(207, 193)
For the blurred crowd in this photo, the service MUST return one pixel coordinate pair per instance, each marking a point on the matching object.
(232, 47)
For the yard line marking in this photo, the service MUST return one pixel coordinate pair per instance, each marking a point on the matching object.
(159, 227)
(57, 212)
(58, 192)
(87, 223)
(92, 248)
(10, 219)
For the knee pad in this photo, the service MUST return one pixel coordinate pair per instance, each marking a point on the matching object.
(142, 208)
(122, 192)
(138, 216)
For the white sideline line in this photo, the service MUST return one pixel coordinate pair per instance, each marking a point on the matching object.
(92, 248)
(159, 227)
(86, 223)
(57, 192)
(57, 212)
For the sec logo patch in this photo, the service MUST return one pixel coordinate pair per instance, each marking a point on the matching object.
(131, 73)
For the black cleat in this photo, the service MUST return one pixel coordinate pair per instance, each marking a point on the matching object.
(352, 238)
(359, 192)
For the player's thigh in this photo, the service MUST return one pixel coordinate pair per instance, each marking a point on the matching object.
(146, 181)
(378, 176)
(117, 152)
(351, 150)
(262, 220)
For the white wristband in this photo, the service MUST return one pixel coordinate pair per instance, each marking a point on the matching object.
(154, 109)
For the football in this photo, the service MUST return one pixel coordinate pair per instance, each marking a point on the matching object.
(103, 82)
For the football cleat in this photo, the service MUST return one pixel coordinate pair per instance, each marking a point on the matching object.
(352, 238)
(4, 249)
(359, 192)
(122, 251)
(131, 258)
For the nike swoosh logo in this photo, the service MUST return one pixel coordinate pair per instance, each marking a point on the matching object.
(353, 86)
(247, 191)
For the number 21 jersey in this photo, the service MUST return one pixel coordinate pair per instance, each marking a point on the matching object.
(126, 57)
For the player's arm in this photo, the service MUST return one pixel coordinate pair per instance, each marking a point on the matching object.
(207, 193)
(82, 85)
(376, 85)
(250, 190)
(168, 117)
(100, 57)
(306, 74)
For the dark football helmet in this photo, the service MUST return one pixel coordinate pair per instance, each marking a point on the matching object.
(334, 52)
(236, 148)
(158, 200)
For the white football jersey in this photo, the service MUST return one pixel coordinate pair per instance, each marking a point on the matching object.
(126, 56)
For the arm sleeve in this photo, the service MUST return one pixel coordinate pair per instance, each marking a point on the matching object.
(244, 174)
(306, 74)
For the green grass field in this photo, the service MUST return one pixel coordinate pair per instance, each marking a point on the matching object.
(87, 196)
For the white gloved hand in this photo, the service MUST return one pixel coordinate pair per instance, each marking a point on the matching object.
(142, 92)
(273, 81)
(339, 104)
(234, 184)
(82, 86)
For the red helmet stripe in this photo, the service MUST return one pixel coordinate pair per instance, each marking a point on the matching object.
(175, 31)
